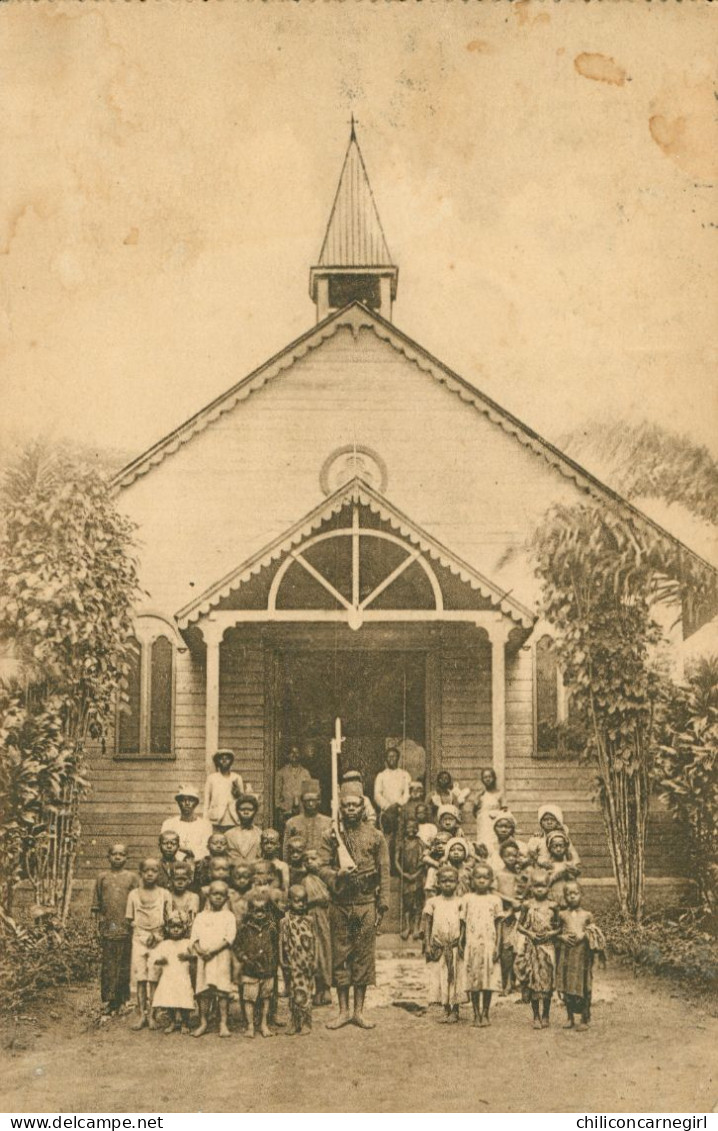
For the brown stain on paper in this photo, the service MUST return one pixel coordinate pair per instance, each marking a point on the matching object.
(480, 46)
(682, 123)
(600, 68)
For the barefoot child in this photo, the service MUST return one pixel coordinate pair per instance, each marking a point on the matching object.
(579, 942)
(174, 988)
(410, 868)
(213, 933)
(433, 858)
(441, 924)
(297, 957)
(539, 924)
(148, 906)
(511, 885)
(318, 909)
(481, 913)
(108, 907)
(256, 950)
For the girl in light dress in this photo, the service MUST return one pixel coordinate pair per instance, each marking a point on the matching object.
(480, 946)
(441, 924)
(213, 933)
(174, 988)
(489, 802)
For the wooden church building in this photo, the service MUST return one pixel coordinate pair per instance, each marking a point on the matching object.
(342, 534)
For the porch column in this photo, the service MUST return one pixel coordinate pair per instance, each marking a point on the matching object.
(212, 633)
(498, 635)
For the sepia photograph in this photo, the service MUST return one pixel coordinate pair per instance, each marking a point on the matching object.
(358, 560)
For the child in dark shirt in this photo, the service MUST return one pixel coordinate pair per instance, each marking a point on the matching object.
(108, 907)
(216, 846)
(256, 950)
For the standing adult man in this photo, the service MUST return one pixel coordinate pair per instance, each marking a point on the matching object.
(391, 793)
(310, 824)
(360, 899)
(193, 831)
(290, 779)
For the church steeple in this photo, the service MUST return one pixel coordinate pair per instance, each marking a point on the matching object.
(354, 263)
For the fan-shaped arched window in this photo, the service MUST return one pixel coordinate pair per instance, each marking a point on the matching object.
(145, 708)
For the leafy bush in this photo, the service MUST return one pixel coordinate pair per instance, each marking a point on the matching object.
(686, 769)
(37, 768)
(42, 958)
(677, 944)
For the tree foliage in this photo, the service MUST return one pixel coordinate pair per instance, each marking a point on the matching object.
(647, 461)
(601, 574)
(67, 584)
(687, 769)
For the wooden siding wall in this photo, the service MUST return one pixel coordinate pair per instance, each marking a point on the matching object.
(130, 799)
(241, 705)
(465, 714)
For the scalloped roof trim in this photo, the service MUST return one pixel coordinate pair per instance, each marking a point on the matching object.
(357, 317)
(357, 491)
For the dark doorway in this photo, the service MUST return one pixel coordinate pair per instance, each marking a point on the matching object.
(378, 695)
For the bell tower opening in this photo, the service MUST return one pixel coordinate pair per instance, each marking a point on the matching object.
(354, 263)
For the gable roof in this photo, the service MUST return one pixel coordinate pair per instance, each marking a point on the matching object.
(354, 235)
(357, 317)
(356, 491)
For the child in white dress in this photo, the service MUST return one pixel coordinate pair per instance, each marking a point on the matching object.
(481, 914)
(441, 924)
(212, 935)
(174, 989)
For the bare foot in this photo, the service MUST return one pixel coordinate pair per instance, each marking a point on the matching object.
(404, 935)
(185, 1030)
(361, 1022)
(224, 1031)
(537, 1023)
(476, 1023)
(453, 1019)
(303, 1032)
(487, 1023)
(339, 1022)
(545, 1023)
(141, 1023)
(151, 1023)
(569, 1025)
(250, 1034)
(173, 1027)
(444, 1020)
(266, 1031)
(200, 1030)
(291, 1031)
(581, 1027)
(416, 936)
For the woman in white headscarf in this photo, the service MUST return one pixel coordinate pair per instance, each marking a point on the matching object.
(550, 817)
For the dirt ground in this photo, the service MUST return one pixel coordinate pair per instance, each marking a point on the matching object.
(649, 1050)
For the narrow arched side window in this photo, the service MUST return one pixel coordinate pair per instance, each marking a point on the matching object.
(161, 663)
(129, 706)
(546, 698)
(145, 707)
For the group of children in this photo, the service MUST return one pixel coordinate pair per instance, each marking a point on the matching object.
(497, 913)
(493, 913)
(186, 934)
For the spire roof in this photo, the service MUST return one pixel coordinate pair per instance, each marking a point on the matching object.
(354, 236)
